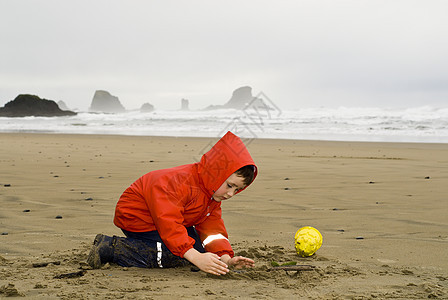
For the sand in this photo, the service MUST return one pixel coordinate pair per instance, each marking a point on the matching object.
(381, 207)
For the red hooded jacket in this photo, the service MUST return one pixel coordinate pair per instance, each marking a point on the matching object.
(169, 200)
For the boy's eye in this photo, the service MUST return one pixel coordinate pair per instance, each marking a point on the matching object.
(229, 186)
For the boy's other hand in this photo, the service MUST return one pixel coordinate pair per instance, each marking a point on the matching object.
(238, 262)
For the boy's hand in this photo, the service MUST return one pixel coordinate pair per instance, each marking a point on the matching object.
(207, 262)
(238, 262)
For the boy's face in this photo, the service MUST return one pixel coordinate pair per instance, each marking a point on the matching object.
(230, 186)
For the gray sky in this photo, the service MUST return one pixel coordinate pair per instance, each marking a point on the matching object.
(387, 53)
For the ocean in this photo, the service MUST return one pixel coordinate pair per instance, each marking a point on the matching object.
(419, 124)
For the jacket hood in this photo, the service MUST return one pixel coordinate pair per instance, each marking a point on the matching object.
(227, 156)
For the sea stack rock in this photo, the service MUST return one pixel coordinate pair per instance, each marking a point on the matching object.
(241, 98)
(184, 104)
(62, 105)
(103, 101)
(147, 107)
(25, 105)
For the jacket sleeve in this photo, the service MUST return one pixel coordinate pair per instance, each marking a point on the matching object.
(214, 235)
(165, 200)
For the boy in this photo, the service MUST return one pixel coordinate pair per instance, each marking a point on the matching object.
(173, 216)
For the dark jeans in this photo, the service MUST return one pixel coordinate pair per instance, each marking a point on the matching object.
(153, 236)
(147, 250)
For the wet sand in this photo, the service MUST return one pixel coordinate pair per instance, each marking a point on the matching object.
(381, 207)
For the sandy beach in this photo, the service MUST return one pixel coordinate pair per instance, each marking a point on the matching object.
(381, 207)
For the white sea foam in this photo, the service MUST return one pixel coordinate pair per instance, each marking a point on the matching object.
(421, 124)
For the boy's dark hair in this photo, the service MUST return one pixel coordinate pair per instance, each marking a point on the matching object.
(247, 172)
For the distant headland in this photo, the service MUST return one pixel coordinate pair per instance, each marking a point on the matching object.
(25, 105)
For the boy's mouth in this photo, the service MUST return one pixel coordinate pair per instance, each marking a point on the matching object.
(220, 198)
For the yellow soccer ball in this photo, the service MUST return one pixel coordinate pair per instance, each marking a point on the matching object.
(307, 241)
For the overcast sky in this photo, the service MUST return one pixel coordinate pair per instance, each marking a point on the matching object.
(386, 53)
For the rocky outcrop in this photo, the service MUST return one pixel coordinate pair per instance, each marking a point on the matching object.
(241, 98)
(30, 105)
(147, 107)
(103, 101)
(184, 104)
(62, 105)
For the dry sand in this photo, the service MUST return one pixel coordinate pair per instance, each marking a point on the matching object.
(381, 207)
